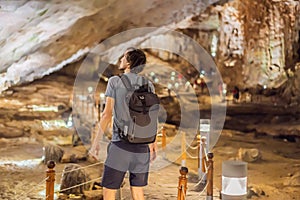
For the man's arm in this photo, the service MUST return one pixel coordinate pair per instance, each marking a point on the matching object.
(104, 121)
(153, 150)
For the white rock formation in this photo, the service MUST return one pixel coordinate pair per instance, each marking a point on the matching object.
(39, 37)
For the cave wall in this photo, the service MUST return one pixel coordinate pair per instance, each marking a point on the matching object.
(251, 49)
(269, 40)
(258, 48)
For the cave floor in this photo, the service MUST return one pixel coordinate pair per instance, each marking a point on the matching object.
(22, 173)
(275, 176)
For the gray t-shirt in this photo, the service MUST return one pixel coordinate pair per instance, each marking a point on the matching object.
(116, 90)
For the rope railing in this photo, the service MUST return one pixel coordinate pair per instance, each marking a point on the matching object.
(205, 153)
(201, 193)
(191, 147)
(81, 184)
(182, 185)
(33, 188)
(191, 156)
(79, 168)
(185, 147)
(206, 161)
(50, 179)
(182, 188)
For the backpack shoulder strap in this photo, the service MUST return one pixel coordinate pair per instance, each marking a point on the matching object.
(125, 80)
(145, 83)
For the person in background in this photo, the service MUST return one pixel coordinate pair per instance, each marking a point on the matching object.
(236, 94)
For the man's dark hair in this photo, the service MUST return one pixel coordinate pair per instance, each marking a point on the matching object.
(136, 59)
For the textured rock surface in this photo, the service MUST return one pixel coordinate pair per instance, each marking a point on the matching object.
(272, 40)
(38, 38)
(251, 48)
(249, 155)
(73, 176)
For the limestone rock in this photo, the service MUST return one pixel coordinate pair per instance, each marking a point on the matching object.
(171, 129)
(77, 154)
(93, 195)
(249, 155)
(255, 190)
(73, 176)
(293, 180)
(53, 152)
(10, 132)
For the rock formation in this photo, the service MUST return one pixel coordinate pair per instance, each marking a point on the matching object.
(38, 38)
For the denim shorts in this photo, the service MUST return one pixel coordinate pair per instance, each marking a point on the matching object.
(123, 157)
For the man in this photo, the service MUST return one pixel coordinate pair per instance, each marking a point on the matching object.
(123, 156)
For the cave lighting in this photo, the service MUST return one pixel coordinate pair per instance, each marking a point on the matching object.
(176, 85)
(43, 108)
(70, 121)
(53, 124)
(214, 45)
(21, 163)
(90, 89)
(102, 101)
(102, 96)
(234, 180)
(101, 76)
(224, 89)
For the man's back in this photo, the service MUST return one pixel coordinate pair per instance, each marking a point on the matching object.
(117, 90)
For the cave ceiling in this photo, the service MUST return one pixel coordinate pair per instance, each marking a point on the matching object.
(38, 38)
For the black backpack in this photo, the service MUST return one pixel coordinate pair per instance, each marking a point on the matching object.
(143, 108)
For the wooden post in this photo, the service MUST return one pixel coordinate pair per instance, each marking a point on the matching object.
(50, 175)
(163, 141)
(182, 183)
(183, 150)
(210, 165)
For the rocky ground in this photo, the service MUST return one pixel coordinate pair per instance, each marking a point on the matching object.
(272, 174)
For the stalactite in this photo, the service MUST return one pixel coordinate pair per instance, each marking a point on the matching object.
(270, 42)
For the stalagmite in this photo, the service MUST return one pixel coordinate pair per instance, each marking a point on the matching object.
(73, 176)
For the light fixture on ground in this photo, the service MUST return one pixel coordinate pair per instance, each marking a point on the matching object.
(234, 180)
